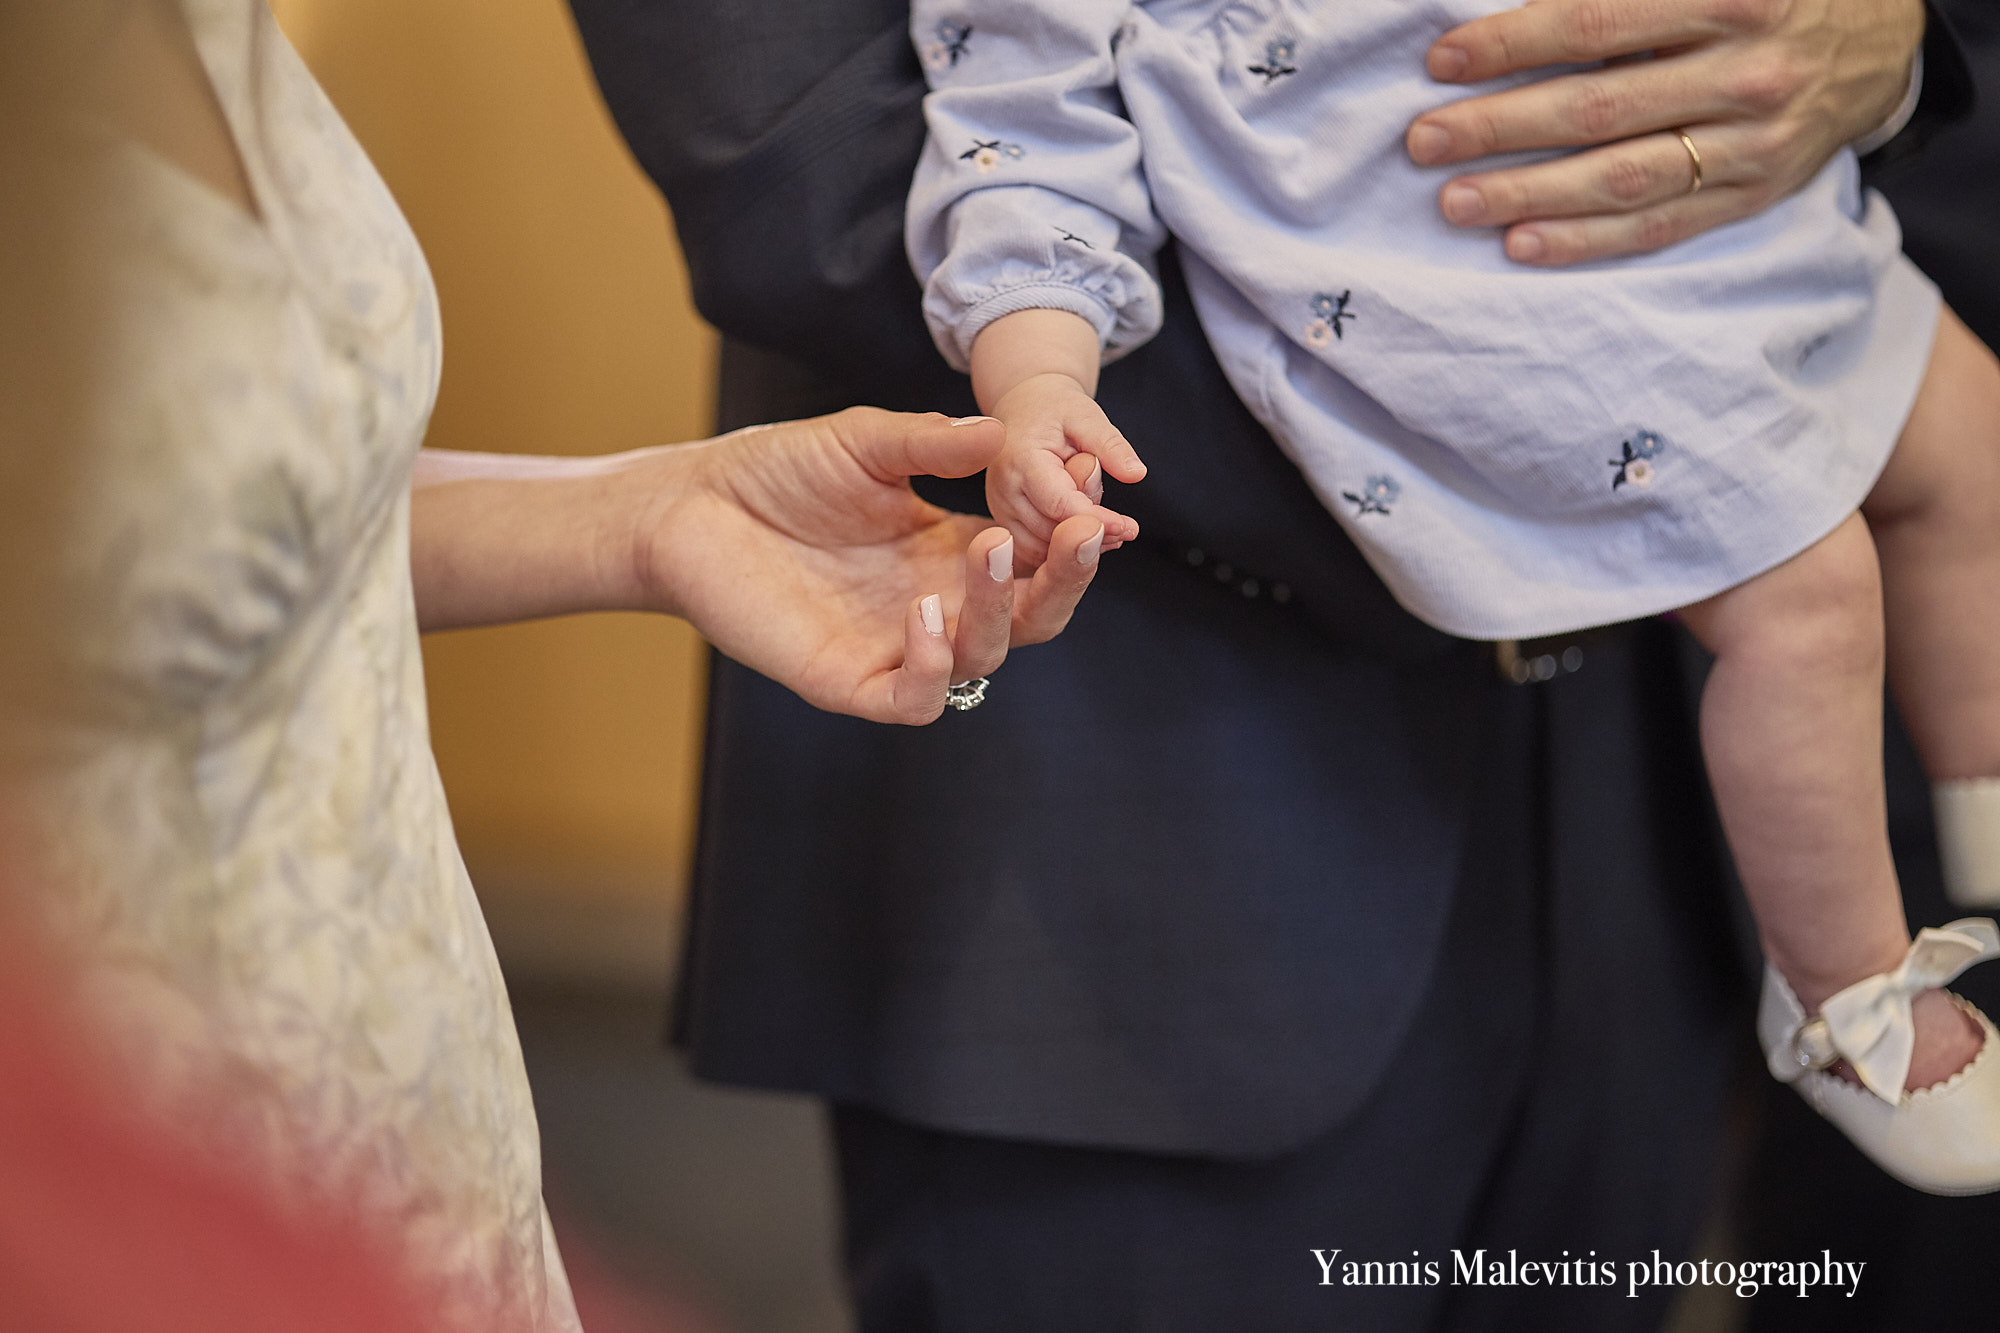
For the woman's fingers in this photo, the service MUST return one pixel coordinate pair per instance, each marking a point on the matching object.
(986, 619)
(894, 445)
(1088, 474)
(913, 693)
(1044, 607)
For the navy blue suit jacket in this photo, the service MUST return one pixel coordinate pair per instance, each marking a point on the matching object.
(1179, 885)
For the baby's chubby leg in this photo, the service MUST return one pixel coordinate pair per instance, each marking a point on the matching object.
(1791, 725)
(1935, 514)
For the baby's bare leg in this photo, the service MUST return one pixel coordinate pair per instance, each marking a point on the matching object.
(1935, 514)
(1791, 725)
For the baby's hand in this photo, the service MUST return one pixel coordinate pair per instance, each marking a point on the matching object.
(1059, 445)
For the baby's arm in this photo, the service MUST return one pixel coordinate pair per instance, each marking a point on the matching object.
(1036, 371)
(1032, 231)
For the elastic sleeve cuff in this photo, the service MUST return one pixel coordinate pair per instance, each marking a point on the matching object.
(956, 341)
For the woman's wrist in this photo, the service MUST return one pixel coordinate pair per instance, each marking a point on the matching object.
(498, 538)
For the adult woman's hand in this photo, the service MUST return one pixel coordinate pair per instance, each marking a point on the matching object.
(1768, 90)
(798, 549)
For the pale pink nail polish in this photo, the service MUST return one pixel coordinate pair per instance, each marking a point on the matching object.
(1000, 561)
(971, 421)
(1086, 554)
(932, 611)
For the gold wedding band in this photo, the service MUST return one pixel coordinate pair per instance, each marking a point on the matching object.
(1693, 156)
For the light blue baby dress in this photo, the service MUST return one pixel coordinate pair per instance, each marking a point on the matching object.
(1518, 452)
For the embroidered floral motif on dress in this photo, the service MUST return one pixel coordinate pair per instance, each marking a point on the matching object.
(1635, 466)
(1278, 53)
(1376, 496)
(945, 51)
(986, 154)
(1330, 313)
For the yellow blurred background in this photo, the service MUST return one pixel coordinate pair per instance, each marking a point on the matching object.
(570, 748)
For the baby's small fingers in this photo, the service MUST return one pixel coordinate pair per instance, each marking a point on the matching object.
(1118, 528)
(1051, 489)
(1011, 505)
(1088, 474)
(1044, 608)
(1088, 429)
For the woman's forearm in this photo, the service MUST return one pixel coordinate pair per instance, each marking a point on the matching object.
(497, 538)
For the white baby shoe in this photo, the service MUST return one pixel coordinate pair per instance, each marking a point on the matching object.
(1968, 833)
(1943, 1139)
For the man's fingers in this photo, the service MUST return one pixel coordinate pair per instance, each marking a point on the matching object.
(1560, 32)
(1619, 178)
(894, 445)
(1043, 609)
(1575, 110)
(1575, 240)
(986, 620)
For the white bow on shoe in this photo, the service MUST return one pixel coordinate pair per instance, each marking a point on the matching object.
(1946, 1139)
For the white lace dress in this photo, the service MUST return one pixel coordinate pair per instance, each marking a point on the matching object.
(257, 863)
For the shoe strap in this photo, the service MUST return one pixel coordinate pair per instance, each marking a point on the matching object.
(1869, 1024)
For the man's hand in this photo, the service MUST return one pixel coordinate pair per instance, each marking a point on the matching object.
(800, 551)
(1768, 90)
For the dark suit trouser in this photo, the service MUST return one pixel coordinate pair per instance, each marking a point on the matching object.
(1558, 1096)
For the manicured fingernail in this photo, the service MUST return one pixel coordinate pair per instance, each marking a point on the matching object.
(1464, 205)
(971, 421)
(1525, 246)
(1086, 554)
(1429, 143)
(932, 610)
(1000, 561)
(1447, 62)
(1096, 483)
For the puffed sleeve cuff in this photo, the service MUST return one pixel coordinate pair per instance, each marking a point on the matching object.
(1123, 321)
(1027, 248)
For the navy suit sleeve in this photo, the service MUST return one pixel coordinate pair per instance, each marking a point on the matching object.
(783, 136)
(1948, 196)
(1949, 94)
